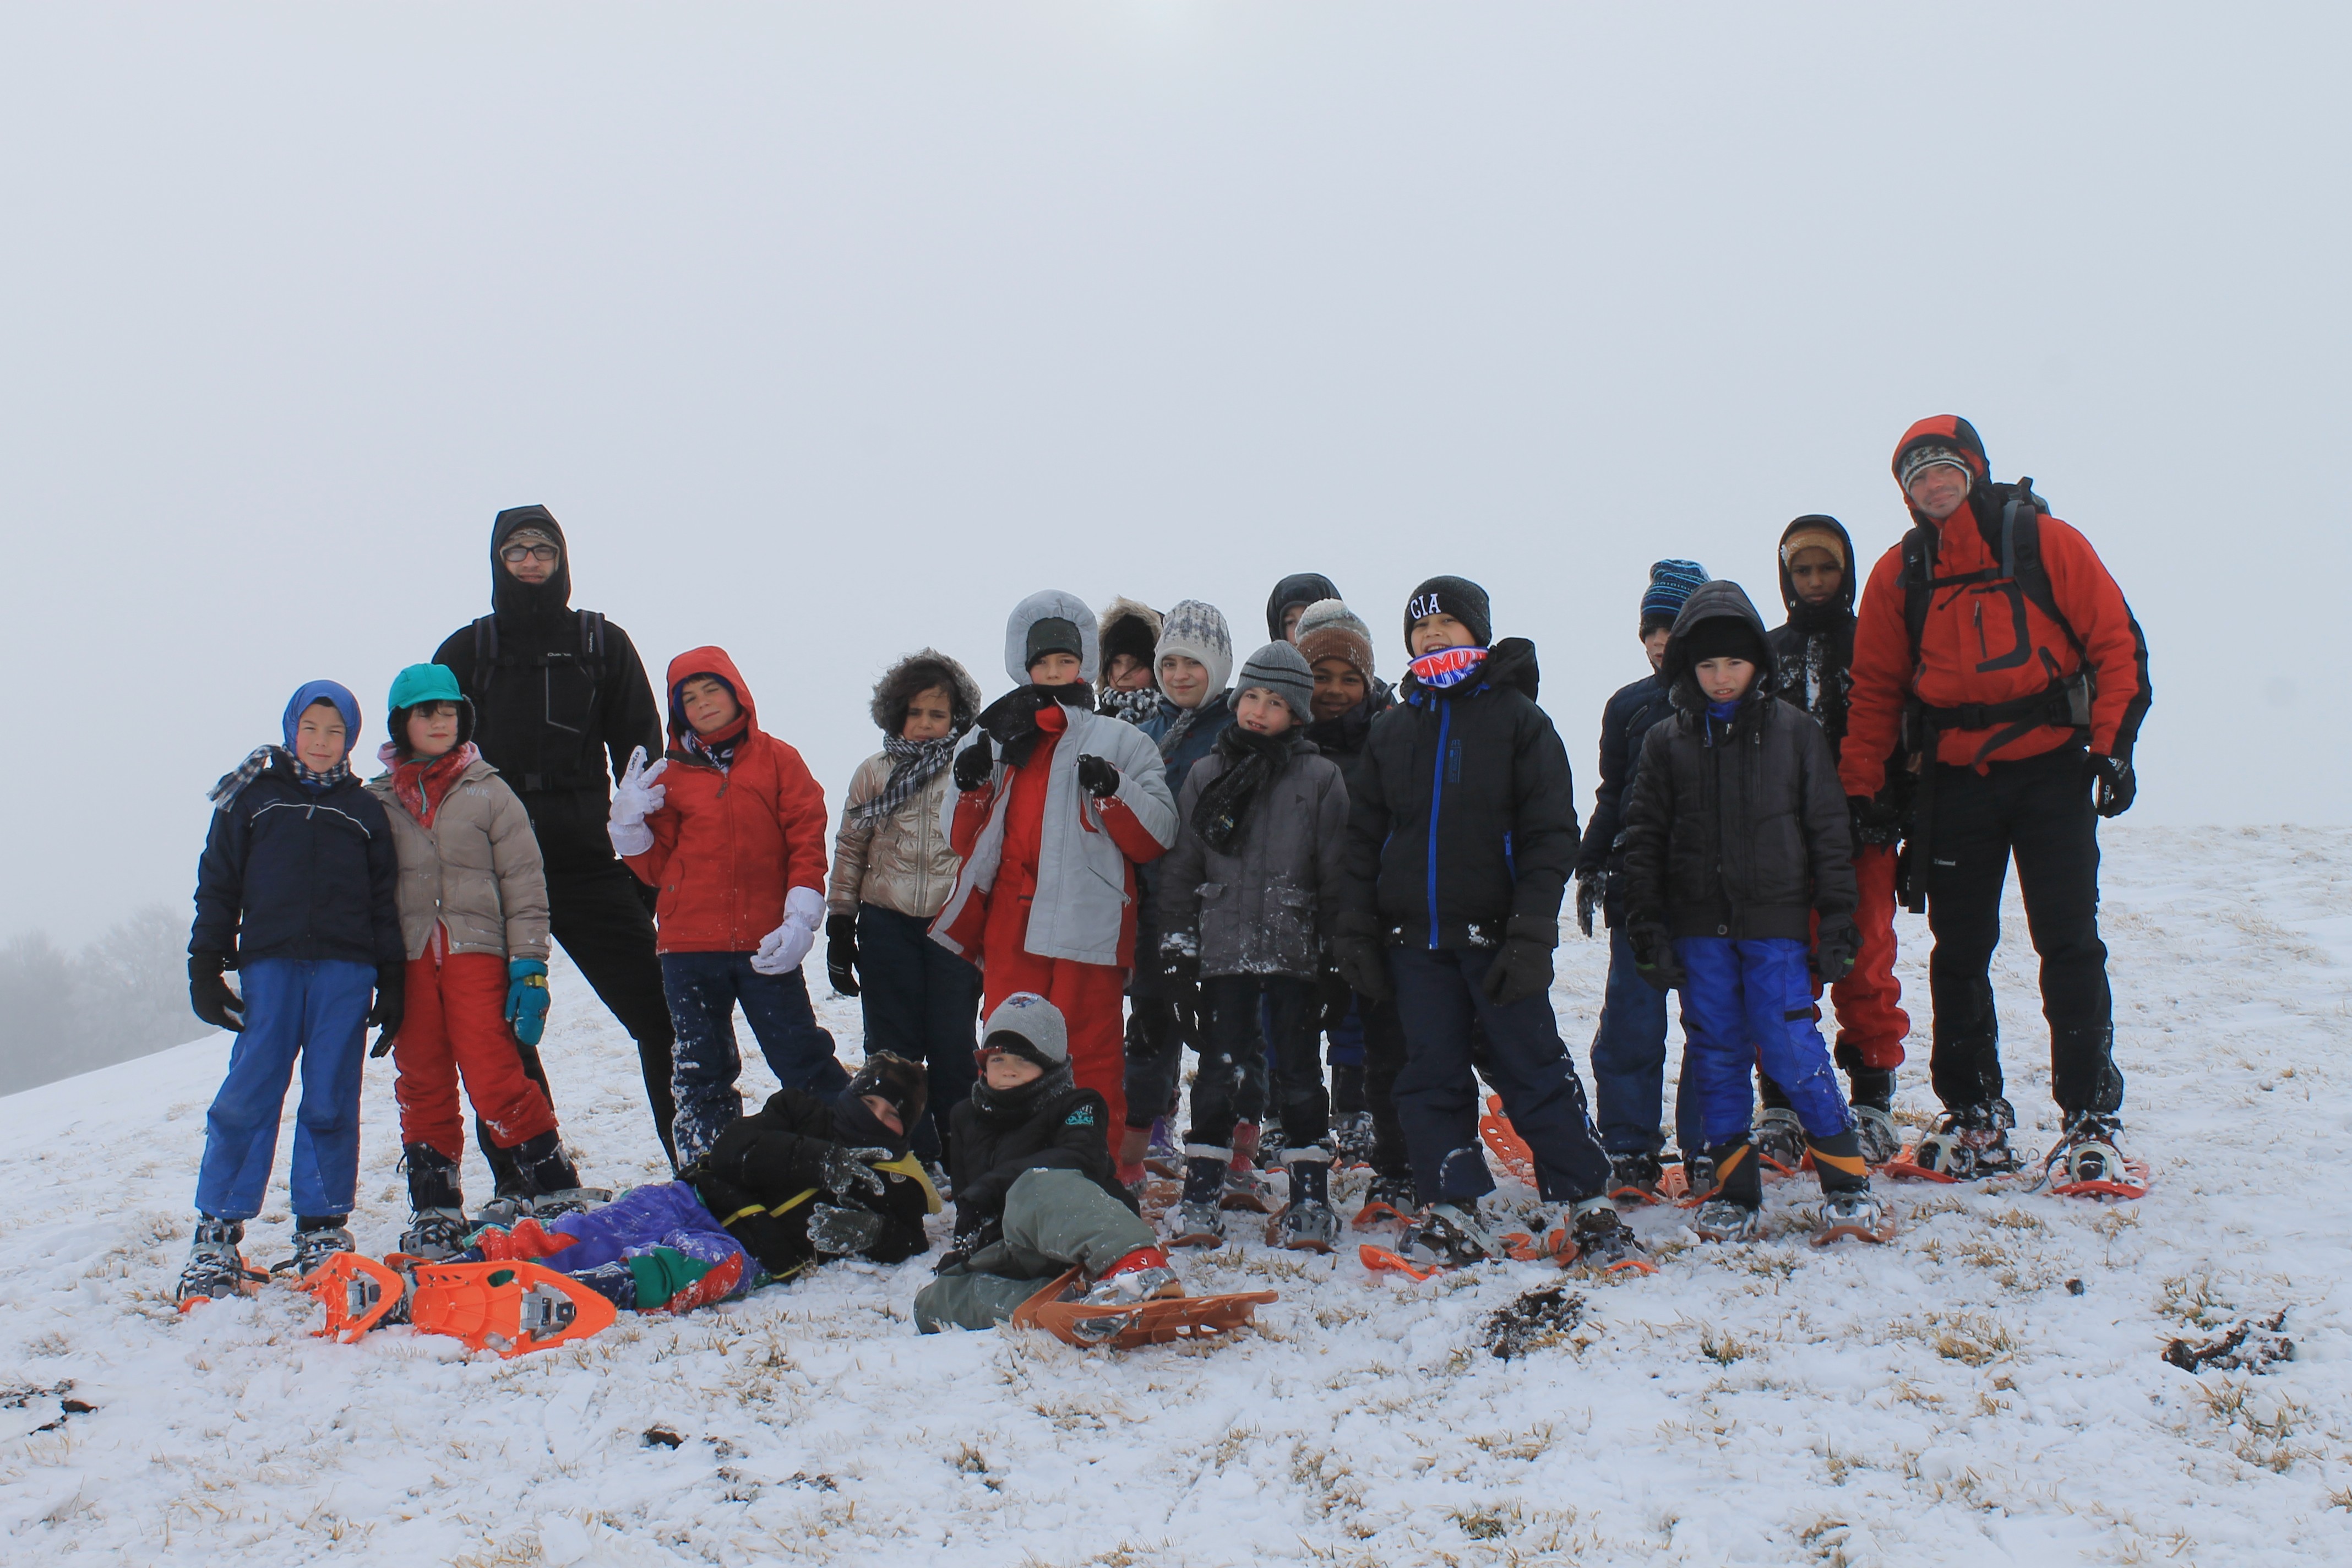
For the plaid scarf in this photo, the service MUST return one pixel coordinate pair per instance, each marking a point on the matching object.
(1251, 761)
(421, 783)
(914, 765)
(258, 762)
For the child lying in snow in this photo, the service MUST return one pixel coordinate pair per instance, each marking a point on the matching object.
(805, 1179)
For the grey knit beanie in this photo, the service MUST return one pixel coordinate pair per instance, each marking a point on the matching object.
(1281, 669)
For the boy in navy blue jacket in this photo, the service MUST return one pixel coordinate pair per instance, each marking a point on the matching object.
(295, 892)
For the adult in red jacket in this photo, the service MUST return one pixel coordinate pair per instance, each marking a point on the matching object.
(730, 828)
(2022, 689)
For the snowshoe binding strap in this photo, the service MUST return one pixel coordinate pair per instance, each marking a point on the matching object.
(358, 1293)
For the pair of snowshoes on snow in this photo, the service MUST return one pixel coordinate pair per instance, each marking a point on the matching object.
(511, 1306)
(1971, 1142)
(1451, 1235)
(1136, 1302)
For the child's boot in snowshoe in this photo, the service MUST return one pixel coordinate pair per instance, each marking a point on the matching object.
(1873, 1113)
(1634, 1178)
(1848, 1208)
(1970, 1141)
(550, 1179)
(316, 1239)
(1603, 1240)
(1780, 1138)
(1734, 1209)
(1307, 1224)
(1351, 1133)
(1388, 1200)
(1452, 1234)
(1197, 1219)
(1161, 1157)
(216, 1269)
(434, 1234)
(1246, 1188)
(438, 1226)
(2089, 1160)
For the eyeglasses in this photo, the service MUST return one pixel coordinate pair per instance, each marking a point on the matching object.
(514, 552)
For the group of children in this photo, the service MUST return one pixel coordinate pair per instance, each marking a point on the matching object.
(1133, 851)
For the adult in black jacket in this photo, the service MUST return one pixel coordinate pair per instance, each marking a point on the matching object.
(1035, 1190)
(1812, 655)
(561, 700)
(1736, 839)
(1289, 601)
(1459, 843)
(1629, 1043)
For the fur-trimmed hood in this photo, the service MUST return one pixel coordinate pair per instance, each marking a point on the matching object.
(916, 673)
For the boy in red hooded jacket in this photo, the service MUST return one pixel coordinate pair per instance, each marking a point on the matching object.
(730, 827)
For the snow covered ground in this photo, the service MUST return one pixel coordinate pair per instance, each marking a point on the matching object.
(1985, 1389)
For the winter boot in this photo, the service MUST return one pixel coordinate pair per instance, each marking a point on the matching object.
(1351, 1130)
(1308, 1223)
(1848, 1206)
(1388, 1198)
(1197, 1219)
(1734, 1209)
(316, 1239)
(1246, 1188)
(436, 1224)
(1780, 1138)
(1604, 1239)
(1456, 1233)
(2089, 1151)
(1634, 1177)
(549, 1179)
(216, 1269)
(1873, 1113)
(1143, 1275)
(1161, 1157)
(1970, 1141)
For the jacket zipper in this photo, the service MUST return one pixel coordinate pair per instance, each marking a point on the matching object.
(1436, 804)
(1983, 650)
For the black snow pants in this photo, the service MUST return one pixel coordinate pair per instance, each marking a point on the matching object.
(2040, 811)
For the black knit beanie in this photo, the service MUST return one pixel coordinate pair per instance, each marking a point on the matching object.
(1455, 597)
(1724, 637)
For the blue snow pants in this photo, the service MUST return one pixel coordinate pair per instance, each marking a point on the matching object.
(703, 989)
(1439, 996)
(1748, 1001)
(921, 1002)
(316, 1010)
(1629, 1062)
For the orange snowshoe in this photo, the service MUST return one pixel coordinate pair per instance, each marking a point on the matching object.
(1504, 1142)
(357, 1292)
(1128, 1325)
(512, 1307)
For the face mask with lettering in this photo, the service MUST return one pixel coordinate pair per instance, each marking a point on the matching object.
(1448, 666)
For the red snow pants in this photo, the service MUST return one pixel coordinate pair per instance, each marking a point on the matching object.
(1090, 995)
(1871, 1021)
(456, 1025)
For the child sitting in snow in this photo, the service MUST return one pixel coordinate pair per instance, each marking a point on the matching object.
(805, 1179)
(1736, 837)
(473, 917)
(730, 827)
(1035, 1191)
(1246, 903)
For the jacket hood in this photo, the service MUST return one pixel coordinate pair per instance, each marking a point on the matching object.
(911, 677)
(1716, 599)
(1048, 604)
(509, 594)
(1299, 588)
(332, 691)
(1818, 522)
(706, 661)
(1510, 663)
(1944, 430)
(1127, 625)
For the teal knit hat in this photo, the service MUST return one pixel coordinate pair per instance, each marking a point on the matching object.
(425, 683)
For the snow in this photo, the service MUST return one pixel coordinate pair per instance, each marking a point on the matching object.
(1948, 1398)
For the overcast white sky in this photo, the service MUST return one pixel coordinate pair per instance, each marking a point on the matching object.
(830, 331)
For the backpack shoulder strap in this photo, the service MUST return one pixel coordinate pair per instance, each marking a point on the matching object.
(486, 650)
(2021, 557)
(1918, 584)
(591, 642)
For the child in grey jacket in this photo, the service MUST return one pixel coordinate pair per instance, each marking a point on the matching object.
(1246, 902)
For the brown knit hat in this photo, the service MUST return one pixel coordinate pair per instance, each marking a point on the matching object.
(1813, 539)
(1338, 640)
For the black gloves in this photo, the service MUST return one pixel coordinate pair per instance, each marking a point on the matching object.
(1098, 777)
(1875, 822)
(1337, 997)
(973, 766)
(1653, 955)
(1587, 898)
(2117, 784)
(839, 1233)
(1358, 956)
(1179, 959)
(967, 1242)
(209, 995)
(850, 1172)
(1835, 948)
(1522, 969)
(840, 953)
(391, 1004)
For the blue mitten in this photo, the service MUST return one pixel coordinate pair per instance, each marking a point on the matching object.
(527, 999)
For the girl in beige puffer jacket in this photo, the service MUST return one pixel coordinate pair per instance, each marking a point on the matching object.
(892, 871)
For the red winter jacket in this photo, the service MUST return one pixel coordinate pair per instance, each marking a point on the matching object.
(1970, 648)
(729, 845)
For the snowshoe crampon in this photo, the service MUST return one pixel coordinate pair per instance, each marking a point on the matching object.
(512, 1307)
(2095, 1170)
(1503, 1142)
(1856, 1216)
(1129, 1325)
(357, 1292)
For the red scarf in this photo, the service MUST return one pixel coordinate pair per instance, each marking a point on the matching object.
(421, 783)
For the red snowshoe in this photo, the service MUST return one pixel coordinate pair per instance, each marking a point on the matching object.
(357, 1292)
(512, 1307)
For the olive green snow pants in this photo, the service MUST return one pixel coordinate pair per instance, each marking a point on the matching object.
(1052, 1220)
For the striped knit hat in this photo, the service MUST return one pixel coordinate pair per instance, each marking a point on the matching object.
(1671, 582)
(1281, 669)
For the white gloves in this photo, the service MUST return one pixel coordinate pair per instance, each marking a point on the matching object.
(782, 948)
(637, 798)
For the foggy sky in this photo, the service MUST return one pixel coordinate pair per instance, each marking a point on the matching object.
(830, 331)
